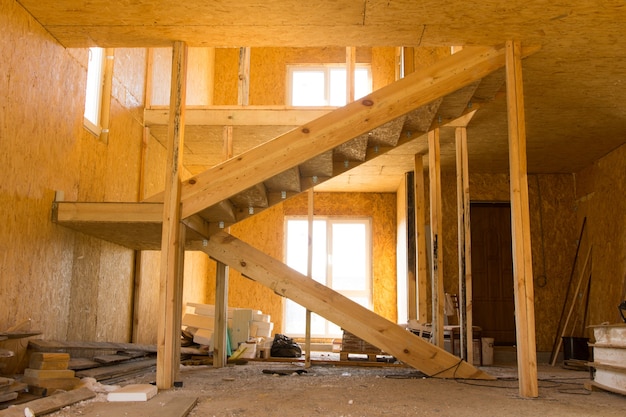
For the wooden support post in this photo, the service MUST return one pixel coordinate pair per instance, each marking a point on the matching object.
(464, 244)
(434, 177)
(244, 76)
(172, 247)
(227, 145)
(350, 67)
(520, 226)
(220, 354)
(309, 273)
(420, 240)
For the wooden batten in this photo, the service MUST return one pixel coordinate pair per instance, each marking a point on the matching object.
(358, 320)
(221, 316)
(520, 226)
(420, 231)
(436, 226)
(173, 237)
(466, 346)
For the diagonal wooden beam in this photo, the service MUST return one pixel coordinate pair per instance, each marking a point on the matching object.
(377, 330)
(325, 133)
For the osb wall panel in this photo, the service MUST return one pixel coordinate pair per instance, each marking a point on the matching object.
(226, 76)
(199, 88)
(553, 237)
(72, 286)
(109, 172)
(605, 209)
(40, 121)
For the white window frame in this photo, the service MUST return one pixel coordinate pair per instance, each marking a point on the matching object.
(326, 70)
(365, 293)
(93, 90)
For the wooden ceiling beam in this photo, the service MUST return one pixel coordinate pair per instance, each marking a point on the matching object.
(329, 131)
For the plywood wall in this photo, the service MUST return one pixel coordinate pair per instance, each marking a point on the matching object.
(63, 281)
(600, 198)
(553, 235)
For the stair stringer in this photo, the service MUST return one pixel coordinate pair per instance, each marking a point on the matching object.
(369, 326)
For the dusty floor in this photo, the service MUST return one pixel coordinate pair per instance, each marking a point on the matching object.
(244, 390)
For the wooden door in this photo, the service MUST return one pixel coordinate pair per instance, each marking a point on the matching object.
(492, 271)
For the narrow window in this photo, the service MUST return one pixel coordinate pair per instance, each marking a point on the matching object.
(93, 100)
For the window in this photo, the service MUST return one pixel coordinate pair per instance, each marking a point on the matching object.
(325, 85)
(93, 98)
(341, 261)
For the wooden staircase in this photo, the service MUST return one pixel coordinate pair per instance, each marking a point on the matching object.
(296, 161)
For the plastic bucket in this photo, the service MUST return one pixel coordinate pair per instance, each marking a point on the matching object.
(487, 350)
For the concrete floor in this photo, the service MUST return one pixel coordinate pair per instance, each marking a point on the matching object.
(328, 390)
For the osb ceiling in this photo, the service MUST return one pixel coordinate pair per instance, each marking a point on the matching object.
(574, 86)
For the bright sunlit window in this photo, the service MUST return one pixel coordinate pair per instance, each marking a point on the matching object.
(325, 85)
(93, 100)
(341, 260)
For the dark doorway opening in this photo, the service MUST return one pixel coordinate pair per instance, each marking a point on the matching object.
(492, 272)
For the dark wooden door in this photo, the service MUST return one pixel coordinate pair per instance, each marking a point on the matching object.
(492, 271)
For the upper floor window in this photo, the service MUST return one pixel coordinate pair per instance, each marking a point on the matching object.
(93, 98)
(325, 84)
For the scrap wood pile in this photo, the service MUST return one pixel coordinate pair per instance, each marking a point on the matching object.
(56, 366)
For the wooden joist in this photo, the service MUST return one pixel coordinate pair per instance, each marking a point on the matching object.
(240, 116)
(333, 306)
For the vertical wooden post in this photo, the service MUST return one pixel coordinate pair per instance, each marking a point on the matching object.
(227, 143)
(520, 226)
(244, 76)
(309, 273)
(438, 299)
(408, 61)
(350, 67)
(170, 294)
(420, 240)
(221, 316)
(464, 245)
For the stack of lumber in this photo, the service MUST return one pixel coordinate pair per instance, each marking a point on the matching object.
(10, 389)
(243, 324)
(48, 371)
(352, 344)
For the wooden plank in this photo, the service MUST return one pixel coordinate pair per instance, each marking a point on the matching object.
(105, 372)
(436, 232)
(239, 115)
(350, 67)
(243, 98)
(520, 226)
(466, 345)
(358, 320)
(325, 133)
(220, 354)
(49, 404)
(420, 231)
(172, 246)
(62, 346)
